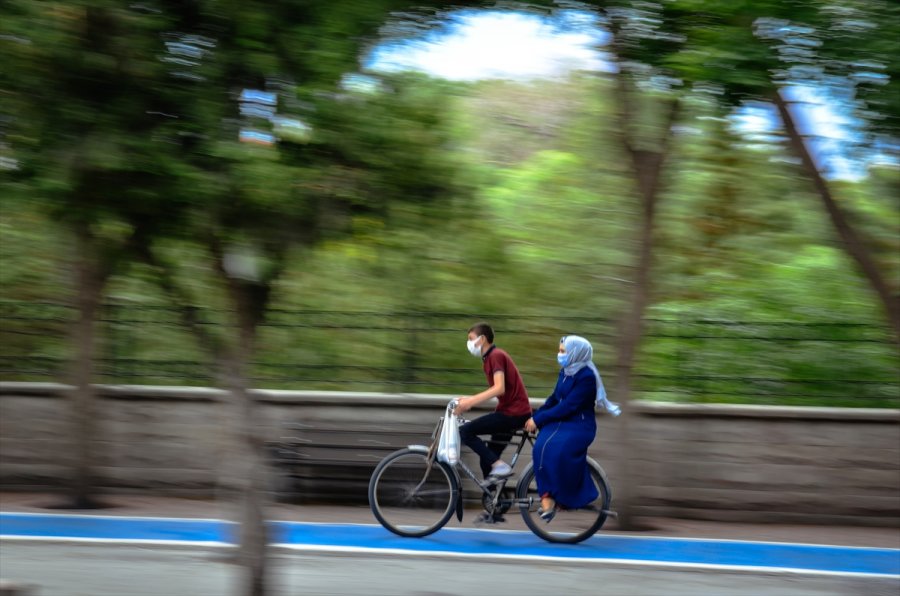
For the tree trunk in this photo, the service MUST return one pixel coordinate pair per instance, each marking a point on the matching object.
(246, 476)
(631, 330)
(90, 282)
(249, 469)
(852, 243)
(647, 169)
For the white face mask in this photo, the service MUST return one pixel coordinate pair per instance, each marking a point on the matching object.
(473, 349)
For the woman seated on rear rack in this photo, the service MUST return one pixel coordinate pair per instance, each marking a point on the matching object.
(568, 427)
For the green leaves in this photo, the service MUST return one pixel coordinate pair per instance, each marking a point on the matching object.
(403, 193)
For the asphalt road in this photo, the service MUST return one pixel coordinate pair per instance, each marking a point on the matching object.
(179, 554)
(86, 569)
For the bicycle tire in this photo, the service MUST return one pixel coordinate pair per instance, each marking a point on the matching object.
(568, 526)
(408, 497)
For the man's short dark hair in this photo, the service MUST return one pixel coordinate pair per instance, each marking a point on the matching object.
(483, 329)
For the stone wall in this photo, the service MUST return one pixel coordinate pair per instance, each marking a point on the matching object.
(757, 463)
(739, 463)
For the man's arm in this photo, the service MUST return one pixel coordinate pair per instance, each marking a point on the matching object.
(495, 390)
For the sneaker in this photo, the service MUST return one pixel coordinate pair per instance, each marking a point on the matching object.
(501, 470)
(547, 515)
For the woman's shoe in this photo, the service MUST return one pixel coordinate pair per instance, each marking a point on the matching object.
(547, 515)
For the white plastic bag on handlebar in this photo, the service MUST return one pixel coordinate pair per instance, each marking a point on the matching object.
(448, 443)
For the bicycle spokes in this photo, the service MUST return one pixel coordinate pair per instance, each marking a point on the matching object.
(410, 495)
(566, 525)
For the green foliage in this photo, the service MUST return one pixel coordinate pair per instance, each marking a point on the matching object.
(397, 213)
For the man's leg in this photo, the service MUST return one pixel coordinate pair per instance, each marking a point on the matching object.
(498, 426)
(501, 438)
(498, 443)
(485, 425)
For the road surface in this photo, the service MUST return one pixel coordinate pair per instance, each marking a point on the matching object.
(73, 555)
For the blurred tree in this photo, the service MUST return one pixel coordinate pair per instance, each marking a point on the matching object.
(845, 61)
(648, 100)
(84, 112)
(844, 53)
(712, 47)
(125, 115)
(282, 155)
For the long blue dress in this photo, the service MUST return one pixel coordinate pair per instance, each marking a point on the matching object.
(568, 427)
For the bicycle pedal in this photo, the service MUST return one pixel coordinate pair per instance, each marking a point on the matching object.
(487, 518)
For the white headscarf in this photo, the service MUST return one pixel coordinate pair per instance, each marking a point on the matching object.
(580, 355)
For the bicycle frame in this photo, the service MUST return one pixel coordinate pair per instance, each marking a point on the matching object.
(492, 490)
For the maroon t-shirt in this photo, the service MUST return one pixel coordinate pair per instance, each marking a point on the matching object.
(514, 402)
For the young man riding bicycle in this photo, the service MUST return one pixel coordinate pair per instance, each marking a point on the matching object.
(512, 411)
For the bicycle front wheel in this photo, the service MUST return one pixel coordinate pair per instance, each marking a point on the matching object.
(568, 525)
(411, 496)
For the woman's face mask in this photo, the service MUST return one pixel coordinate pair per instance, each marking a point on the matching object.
(474, 346)
(563, 356)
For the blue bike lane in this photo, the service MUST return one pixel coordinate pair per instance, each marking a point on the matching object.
(456, 542)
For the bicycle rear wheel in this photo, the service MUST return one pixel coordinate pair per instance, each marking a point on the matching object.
(410, 496)
(568, 525)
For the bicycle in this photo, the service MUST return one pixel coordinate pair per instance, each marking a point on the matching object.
(413, 494)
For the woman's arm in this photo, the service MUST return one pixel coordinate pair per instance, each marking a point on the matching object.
(551, 401)
(580, 398)
(530, 424)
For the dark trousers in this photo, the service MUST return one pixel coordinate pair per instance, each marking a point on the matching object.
(499, 426)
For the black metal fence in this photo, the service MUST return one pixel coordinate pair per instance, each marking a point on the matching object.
(847, 364)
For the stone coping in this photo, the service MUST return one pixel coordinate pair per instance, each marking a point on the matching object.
(295, 397)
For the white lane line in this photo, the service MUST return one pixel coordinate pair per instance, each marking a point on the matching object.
(445, 529)
(590, 560)
(151, 541)
(125, 517)
(360, 550)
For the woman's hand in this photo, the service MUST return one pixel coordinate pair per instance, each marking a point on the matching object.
(463, 404)
(530, 425)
